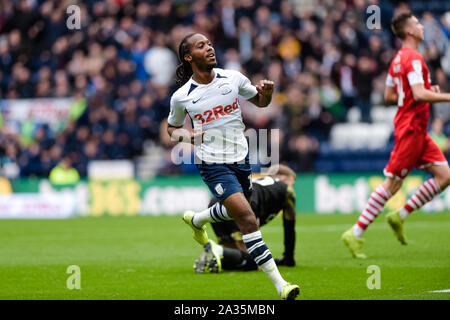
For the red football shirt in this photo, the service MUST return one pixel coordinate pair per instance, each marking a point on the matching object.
(407, 69)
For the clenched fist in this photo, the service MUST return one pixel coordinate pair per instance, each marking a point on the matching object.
(265, 87)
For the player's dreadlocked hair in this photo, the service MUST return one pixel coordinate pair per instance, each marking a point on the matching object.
(398, 24)
(184, 70)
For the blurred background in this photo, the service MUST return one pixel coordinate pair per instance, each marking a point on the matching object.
(72, 99)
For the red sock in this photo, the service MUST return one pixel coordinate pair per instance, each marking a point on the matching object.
(427, 191)
(374, 206)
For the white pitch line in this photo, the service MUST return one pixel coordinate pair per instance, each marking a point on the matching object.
(440, 291)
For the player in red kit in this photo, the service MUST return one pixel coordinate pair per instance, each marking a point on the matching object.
(408, 85)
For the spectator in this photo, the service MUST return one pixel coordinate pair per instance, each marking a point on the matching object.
(343, 75)
(442, 109)
(64, 173)
(119, 71)
(160, 62)
(364, 75)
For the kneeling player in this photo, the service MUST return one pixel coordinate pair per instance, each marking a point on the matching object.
(271, 194)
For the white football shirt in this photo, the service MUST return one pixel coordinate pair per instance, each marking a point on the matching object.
(214, 108)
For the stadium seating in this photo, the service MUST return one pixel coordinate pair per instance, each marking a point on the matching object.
(117, 100)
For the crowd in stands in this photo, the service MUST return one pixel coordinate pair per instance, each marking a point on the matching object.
(119, 69)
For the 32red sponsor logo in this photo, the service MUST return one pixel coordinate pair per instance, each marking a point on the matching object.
(214, 113)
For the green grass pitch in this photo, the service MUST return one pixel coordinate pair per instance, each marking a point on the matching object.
(152, 258)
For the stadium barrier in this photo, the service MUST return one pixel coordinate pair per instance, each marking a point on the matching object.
(54, 112)
(37, 206)
(171, 195)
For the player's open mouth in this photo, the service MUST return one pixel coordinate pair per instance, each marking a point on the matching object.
(211, 55)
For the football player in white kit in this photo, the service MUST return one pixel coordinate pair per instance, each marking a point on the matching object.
(209, 95)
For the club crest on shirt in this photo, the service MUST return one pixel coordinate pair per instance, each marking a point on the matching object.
(219, 189)
(225, 88)
(417, 65)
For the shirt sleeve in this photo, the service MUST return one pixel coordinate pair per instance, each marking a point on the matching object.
(246, 89)
(389, 81)
(177, 115)
(413, 70)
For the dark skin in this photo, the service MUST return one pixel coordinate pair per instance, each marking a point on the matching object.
(202, 59)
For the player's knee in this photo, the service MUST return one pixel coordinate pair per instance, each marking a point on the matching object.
(443, 179)
(392, 185)
(445, 183)
(446, 179)
(396, 187)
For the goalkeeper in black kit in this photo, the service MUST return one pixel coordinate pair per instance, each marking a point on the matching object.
(271, 194)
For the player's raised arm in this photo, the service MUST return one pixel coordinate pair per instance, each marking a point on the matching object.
(421, 94)
(264, 95)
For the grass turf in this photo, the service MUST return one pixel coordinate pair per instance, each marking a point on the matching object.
(152, 258)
